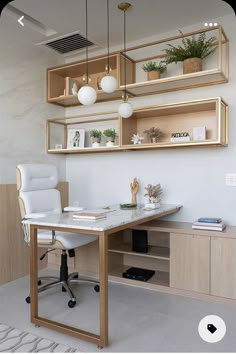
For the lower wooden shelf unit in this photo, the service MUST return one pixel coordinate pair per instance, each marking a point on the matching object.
(182, 117)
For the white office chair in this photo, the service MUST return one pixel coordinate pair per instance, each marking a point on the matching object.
(39, 197)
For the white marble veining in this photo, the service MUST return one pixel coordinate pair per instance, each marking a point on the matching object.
(114, 219)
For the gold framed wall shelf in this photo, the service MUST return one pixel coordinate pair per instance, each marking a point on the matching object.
(60, 79)
(209, 115)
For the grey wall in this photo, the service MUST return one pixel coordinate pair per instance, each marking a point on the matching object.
(23, 107)
(193, 177)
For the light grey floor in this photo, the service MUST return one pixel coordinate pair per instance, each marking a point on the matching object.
(139, 320)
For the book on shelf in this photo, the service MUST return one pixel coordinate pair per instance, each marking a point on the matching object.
(197, 223)
(89, 216)
(210, 220)
(210, 228)
(179, 139)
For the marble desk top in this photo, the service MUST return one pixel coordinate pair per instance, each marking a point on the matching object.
(115, 218)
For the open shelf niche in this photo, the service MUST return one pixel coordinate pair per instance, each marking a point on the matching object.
(215, 70)
(211, 113)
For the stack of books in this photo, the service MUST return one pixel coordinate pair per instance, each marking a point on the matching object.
(89, 216)
(214, 224)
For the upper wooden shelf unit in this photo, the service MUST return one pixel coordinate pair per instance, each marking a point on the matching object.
(215, 70)
(211, 113)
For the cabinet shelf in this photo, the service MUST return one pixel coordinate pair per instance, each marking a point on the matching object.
(153, 251)
(215, 71)
(159, 278)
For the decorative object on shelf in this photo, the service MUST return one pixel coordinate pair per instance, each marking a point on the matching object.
(87, 95)
(58, 146)
(128, 206)
(137, 139)
(96, 136)
(199, 133)
(74, 89)
(154, 194)
(134, 186)
(191, 53)
(153, 134)
(108, 83)
(111, 136)
(179, 137)
(125, 109)
(154, 70)
(75, 138)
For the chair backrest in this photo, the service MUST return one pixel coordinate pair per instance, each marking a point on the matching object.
(36, 184)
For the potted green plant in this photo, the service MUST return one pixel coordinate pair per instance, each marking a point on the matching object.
(96, 136)
(192, 51)
(154, 70)
(110, 135)
(153, 134)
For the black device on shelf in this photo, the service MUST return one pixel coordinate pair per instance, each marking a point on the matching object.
(140, 241)
(138, 274)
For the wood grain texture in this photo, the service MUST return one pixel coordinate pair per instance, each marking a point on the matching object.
(190, 262)
(14, 252)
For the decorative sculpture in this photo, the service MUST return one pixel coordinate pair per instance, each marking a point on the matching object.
(134, 186)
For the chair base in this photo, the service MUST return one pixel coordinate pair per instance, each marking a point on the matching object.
(73, 278)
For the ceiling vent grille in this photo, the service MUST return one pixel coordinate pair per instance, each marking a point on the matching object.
(69, 43)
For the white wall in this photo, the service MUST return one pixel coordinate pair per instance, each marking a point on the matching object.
(23, 107)
(193, 177)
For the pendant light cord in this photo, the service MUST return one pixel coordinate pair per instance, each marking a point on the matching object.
(125, 53)
(86, 19)
(108, 38)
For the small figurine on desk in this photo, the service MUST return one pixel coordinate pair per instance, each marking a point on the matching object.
(134, 186)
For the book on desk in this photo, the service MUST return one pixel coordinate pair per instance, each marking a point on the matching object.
(89, 216)
(212, 224)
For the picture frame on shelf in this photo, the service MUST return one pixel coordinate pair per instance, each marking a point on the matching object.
(75, 138)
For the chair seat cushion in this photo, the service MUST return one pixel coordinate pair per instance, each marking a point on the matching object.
(68, 240)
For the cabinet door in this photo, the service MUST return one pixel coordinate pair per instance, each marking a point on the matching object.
(223, 267)
(189, 262)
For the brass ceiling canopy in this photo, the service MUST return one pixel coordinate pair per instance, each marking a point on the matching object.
(124, 6)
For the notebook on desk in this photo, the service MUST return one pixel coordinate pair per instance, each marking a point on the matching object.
(89, 216)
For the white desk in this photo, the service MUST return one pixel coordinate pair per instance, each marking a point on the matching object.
(115, 221)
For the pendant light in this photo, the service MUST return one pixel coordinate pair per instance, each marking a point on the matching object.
(125, 109)
(109, 82)
(87, 95)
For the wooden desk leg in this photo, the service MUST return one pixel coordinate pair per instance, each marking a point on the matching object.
(33, 273)
(103, 277)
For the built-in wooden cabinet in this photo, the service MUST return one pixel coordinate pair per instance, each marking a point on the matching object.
(190, 262)
(223, 267)
(215, 70)
(211, 113)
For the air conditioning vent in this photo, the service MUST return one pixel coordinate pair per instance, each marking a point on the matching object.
(69, 43)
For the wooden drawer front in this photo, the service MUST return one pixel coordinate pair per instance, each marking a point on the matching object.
(189, 262)
(223, 267)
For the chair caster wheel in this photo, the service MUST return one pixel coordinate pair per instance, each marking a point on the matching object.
(71, 303)
(63, 289)
(28, 299)
(39, 282)
(97, 288)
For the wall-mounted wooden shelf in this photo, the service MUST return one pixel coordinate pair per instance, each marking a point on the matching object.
(215, 71)
(211, 113)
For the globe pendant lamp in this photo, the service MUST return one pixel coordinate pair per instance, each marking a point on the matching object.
(87, 95)
(125, 109)
(108, 83)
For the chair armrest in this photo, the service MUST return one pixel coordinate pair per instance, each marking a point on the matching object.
(26, 230)
(34, 215)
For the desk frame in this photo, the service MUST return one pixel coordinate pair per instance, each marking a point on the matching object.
(102, 339)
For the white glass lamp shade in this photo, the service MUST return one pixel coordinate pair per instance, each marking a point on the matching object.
(109, 83)
(125, 109)
(87, 95)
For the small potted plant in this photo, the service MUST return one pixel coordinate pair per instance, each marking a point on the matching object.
(96, 136)
(154, 70)
(192, 51)
(153, 134)
(154, 194)
(111, 136)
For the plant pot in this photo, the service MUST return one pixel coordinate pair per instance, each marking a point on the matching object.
(154, 140)
(152, 205)
(153, 75)
(110, 143)
(96, 144)
(192, 65)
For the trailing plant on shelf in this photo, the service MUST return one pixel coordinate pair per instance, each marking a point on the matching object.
(154, 70)
(191, 52)
(154, 193)
(96, 136)
(153, 134)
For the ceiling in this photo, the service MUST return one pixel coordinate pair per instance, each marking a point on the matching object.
(145, 18)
